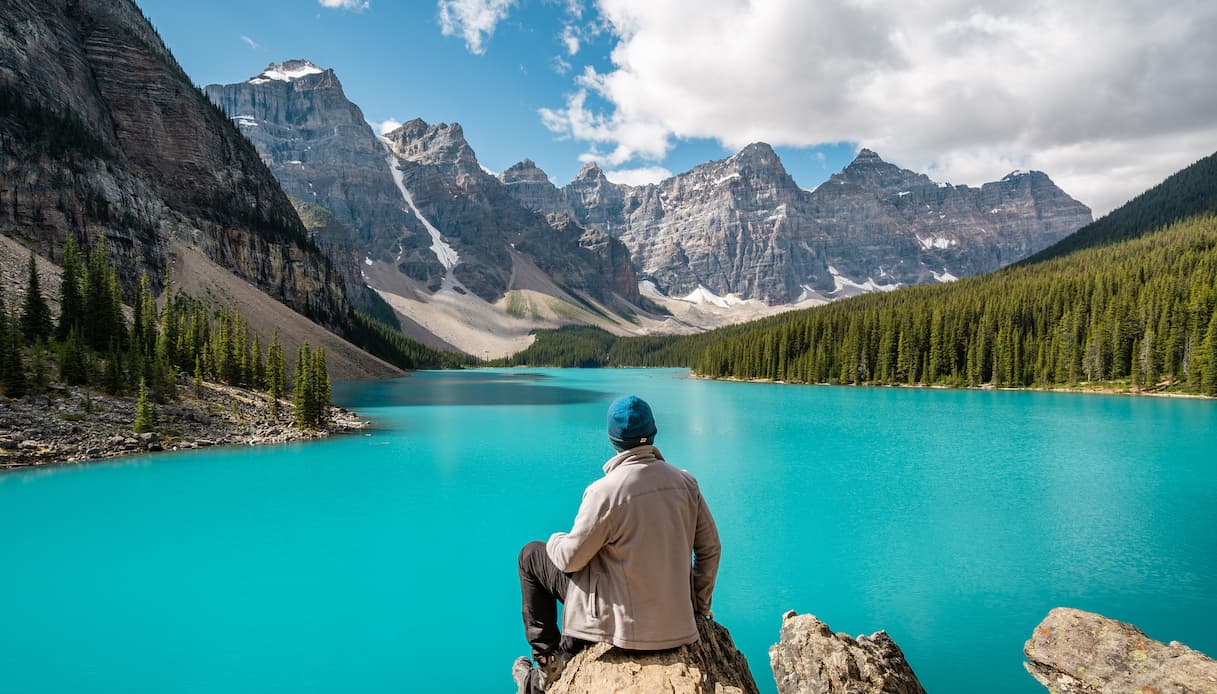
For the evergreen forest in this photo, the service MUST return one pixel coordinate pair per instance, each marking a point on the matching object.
(92, 343)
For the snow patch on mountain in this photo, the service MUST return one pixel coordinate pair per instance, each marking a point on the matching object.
(701, 295)
(447, 255)
(843, 285)
(286, 72)
(936, 242)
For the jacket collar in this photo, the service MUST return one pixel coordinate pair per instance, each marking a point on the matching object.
(638, 454)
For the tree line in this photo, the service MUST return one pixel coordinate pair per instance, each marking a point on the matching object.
(1139, 312)
(92, 343)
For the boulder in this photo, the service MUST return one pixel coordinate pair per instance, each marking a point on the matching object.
(811, 659)
(710, 666)
(1076, 652)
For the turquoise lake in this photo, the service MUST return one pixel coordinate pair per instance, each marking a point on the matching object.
(385, 561)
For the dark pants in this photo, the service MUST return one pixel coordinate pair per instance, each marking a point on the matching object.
(542, 587)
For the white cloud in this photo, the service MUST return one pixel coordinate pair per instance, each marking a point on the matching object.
(250, 42)
(473, 20)
(353, 5)
(627, 138)
(570, 39)
(560, 65)
(386, 126)
(1105, 98)
(639, 176)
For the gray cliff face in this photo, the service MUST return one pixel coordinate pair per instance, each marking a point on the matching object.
(532, 188)
(741, 225)
(324, 154)
(104, 138)
(482, 220)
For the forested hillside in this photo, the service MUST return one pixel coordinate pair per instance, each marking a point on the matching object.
(1140, 311)
(1131, 303)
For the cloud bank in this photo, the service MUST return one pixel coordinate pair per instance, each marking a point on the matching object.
(1107, 98)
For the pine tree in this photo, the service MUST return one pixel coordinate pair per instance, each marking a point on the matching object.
(145, 412)
(40, 376)
(4, 344)
(257, 377)
(35, 316)
(275, 373)
(198, 376)
(15, 384)
(321, 388)
(304, 400)
(116, 382)
(71, 301)
(73, 360)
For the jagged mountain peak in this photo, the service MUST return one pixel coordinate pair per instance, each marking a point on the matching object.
(591, 171)
(870, 170)
(526, 170)
(1020, 173)
(440, 143)
(759, 152)
(288, 71)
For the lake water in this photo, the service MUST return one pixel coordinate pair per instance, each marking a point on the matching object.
(386, 562)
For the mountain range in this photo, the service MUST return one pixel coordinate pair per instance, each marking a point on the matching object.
(475, 261)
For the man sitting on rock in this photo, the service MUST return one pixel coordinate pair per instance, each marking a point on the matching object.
(623, 572)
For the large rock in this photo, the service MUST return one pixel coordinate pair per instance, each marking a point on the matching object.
(1076, 652)
(811, 659)
(710, 666)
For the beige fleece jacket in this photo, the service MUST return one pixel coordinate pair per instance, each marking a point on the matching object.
(628, 555)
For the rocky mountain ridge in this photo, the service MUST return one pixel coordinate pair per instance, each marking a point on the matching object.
(104, 138)
(420, 218)
(741, 226)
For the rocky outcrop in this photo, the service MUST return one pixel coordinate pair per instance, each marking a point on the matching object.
(742, 226)
(811, 659)
(710, 666)
(1076, 652)
(103, 137)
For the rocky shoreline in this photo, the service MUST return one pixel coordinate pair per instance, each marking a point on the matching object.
(76, 425)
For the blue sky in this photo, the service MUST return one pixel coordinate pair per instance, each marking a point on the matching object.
(394, 62)
(1107, 97)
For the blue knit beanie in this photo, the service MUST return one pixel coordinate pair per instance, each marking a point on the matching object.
(630, 422)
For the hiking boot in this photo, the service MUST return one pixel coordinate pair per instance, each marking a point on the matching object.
(552, 665)
(521, 671)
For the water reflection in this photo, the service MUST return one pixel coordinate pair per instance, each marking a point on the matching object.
(475, 387)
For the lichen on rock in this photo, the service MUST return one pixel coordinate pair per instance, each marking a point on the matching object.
(811, 659)
(1076, 652)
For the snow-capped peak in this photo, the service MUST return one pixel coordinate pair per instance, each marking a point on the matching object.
(286, 71)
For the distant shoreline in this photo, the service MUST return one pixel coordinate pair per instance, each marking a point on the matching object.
(1089, 390)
